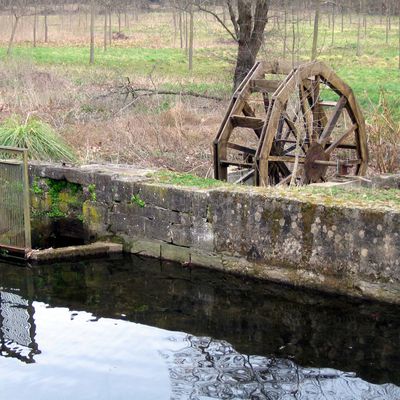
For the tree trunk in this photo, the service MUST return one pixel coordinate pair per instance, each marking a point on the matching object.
(191, 32)
(358, 53)
(46, 29)
(105, 30)
(186, 33)
(34, 27)
(14, 29)
(110, 27)
(333, 24)
(92, 21)
(387, 22)
(285, 32)
(180, 29)
(315, 33)
(250, 27)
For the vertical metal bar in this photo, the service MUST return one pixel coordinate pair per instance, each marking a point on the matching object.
(27, 211)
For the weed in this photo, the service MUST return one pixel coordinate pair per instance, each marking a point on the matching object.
(135, 199)
(92, 192)
(36, 189)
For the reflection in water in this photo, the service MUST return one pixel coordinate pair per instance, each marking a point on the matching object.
(17, 327)
(98, 326)
(212, 369)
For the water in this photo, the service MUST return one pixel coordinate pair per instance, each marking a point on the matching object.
(140, 329)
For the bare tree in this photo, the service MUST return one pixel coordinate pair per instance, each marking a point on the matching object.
(249, 19)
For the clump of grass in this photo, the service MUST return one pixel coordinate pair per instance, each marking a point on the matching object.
(39, 138)
(182, 179)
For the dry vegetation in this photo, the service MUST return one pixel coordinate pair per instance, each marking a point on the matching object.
(173, 132)
(88, 108)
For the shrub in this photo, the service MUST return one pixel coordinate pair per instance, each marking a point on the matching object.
(42, 142)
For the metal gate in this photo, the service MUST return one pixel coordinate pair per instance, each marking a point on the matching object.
(15, 226)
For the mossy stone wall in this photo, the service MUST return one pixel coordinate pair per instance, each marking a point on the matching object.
(354, 251)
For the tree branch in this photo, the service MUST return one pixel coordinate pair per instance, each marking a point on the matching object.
(216, 16)
(233, 17)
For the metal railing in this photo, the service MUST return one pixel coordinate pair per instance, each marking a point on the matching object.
(15, 225)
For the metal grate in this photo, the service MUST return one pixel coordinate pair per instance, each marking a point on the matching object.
(15, 227)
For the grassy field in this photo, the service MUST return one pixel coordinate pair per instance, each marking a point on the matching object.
(153, 48)
(152, 57)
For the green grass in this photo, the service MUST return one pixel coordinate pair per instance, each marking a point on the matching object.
(40, 138)
(182, 179)
(335, 196)
(366, 198)
(167, 61)
(154, 51)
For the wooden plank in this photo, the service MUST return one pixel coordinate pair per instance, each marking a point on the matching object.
(245, 177)
(256, 72)
(338, 162)
(247, 122)
(236, 163)
(286, 159)
(340, 146)
(263, 85)
(333, 120)
(241, 148)
(306, 111)
(337, 142)
(13, 149)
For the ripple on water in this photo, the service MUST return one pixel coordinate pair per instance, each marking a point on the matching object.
(212, 369)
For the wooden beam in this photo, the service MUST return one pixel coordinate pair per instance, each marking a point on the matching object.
(333, 120)
(236, 163)
(327, 103)
(247, 122)
(245, 177)
(286, 159)
(241, 148)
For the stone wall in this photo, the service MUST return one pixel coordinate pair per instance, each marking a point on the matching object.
(353, 251)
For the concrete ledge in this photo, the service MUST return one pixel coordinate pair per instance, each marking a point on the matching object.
(66, 253)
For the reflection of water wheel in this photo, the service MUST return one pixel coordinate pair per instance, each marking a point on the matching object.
(305, 127)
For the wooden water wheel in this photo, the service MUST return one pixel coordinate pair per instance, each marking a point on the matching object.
(291, 125)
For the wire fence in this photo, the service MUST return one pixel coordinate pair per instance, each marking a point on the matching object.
(15, 229)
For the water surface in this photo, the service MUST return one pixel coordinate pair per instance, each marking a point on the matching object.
(136, 328)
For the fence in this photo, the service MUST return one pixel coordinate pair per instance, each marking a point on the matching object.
(15, 227)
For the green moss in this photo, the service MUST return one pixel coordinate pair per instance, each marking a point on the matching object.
(55, 189)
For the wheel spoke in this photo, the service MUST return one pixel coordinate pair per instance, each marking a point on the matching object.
(337, 142)
(333, 120)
